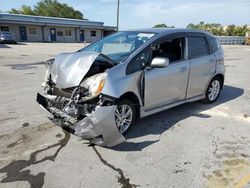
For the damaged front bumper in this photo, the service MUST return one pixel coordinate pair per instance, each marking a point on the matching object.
(98, 126)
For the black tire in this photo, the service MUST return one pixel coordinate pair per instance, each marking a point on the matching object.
(209, 99)
(132, 106)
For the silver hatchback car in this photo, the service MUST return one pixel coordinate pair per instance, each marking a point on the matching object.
(99, 91)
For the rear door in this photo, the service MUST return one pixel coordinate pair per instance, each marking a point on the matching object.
(202, 64)
(167, 85)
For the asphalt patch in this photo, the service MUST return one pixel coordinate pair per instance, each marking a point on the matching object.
(25, 66)
(15, 170)
(122, 180)
(26, 124)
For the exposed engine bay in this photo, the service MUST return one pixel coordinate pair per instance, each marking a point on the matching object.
(72, 94)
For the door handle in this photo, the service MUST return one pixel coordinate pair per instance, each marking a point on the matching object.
(183, 69)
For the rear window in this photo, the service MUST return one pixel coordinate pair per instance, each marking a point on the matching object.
(213, 44)
(197, 47)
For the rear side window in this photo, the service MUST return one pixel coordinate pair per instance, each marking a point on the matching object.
(197, 47)
(213, 44)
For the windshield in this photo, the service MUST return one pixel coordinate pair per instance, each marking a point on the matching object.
(119, 45)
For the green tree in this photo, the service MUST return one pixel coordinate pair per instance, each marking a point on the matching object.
(217, 29)
(27, 10)
(214, 28)
(50, 8)
(230, 30)
(162, 25)
(192, 26)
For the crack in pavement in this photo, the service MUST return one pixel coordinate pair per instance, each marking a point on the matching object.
(15, 170)
(122, 179)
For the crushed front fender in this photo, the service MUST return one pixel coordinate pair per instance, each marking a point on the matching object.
(98, 127)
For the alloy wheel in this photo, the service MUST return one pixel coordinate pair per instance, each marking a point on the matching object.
(123, 117)
(214, 90)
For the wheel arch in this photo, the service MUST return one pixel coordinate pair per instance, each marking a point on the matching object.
(221, 76)
(134, 99)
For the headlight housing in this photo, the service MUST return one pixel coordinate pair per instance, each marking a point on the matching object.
(94, 84)
(49, 63)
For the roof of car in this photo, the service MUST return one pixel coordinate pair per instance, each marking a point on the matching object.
(166, 30)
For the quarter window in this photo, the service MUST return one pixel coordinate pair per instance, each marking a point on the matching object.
(32, 31)
(213, 44)
(139, 62)
(197, 47)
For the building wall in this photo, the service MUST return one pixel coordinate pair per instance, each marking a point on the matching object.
(89, 38)
(12, 28)
(37, 37)
(33, 37)
(38, 33)
(60, 37)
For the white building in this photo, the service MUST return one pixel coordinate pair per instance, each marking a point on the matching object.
(45, 29)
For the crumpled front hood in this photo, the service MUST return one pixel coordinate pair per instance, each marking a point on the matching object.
(68, 69)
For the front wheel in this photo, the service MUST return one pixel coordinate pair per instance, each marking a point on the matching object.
(213, 90)
(124, 115)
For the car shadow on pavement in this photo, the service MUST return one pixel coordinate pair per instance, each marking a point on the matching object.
(158, 123)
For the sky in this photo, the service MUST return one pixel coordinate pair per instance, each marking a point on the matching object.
(147, 13)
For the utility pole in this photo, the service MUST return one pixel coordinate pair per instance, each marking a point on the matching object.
(117, 16)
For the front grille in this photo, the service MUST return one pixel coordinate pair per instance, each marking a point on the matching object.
(59, 103)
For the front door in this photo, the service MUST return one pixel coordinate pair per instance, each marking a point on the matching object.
(53, 34)
(82, 35)
(167, 85)
(23, 33)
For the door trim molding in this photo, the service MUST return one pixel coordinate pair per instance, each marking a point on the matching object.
(171, 105)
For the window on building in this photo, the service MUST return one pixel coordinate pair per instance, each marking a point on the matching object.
(4, 28)
(93, 33)
(59, 33)
(32, 31)
(68, 32)
(197, 47)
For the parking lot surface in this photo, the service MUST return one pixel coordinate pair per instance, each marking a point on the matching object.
(189, 146)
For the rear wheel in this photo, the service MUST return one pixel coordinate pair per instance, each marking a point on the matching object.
(124, 115)
(213, 90)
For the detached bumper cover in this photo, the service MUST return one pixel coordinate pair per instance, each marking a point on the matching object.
(98, 127)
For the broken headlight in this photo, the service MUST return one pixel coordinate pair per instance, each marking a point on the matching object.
(49, 63)
(94, 84)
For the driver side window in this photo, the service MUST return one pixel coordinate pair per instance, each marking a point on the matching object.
(173, 49)
(139, 62)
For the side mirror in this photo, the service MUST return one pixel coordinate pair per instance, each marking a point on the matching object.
(159, 62)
